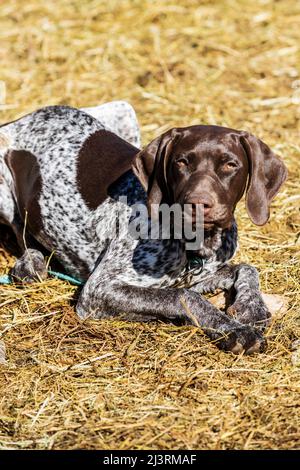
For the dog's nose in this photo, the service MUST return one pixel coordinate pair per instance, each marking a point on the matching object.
(205, 199)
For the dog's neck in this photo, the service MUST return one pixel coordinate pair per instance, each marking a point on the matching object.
(212, 240)
(218, 243)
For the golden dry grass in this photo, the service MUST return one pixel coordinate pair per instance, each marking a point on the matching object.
(116, 385)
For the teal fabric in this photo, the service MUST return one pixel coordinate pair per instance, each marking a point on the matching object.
(6, 279)
(194, 264)
(65, 277)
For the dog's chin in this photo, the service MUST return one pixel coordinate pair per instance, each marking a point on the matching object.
(209, 226)
(212, 225)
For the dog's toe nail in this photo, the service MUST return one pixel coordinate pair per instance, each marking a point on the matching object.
(254, 348)
(237, 348)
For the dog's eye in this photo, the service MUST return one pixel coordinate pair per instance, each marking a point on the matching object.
(182, 162)
(227, 166)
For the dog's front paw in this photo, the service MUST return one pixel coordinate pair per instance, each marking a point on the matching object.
(31, 267)
(251, 312)
(243, 338)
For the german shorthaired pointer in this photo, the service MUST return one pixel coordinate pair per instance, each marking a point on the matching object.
(63, 178)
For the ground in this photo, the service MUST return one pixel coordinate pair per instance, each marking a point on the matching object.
(118, 385)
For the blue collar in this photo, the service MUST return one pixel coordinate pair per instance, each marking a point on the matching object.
(195, 265)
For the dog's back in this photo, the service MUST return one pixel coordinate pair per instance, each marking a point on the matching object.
(61, 163)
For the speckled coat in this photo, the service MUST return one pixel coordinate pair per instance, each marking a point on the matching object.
(42, 186)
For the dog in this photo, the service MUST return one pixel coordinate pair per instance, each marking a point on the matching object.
(70, 183)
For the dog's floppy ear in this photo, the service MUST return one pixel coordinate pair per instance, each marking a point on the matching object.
(266, 175)
(150, 167)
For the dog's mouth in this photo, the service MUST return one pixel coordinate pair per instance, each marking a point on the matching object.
(225, 223)
(197, 219)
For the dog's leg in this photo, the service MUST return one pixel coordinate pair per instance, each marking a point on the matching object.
(244, 297)
(248, 306)
(31, 267)
(100, 299)
(7, 204)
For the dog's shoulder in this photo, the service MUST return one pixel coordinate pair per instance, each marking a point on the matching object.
(102, 160)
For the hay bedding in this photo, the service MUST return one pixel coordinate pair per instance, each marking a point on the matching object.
(112, 384)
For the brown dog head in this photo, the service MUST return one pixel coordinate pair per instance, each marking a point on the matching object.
(212, 166)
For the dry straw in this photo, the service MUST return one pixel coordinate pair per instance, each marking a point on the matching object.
(113, 384)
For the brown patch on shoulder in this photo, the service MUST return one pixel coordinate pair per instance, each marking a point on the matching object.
(102, 159)
(28, 185)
